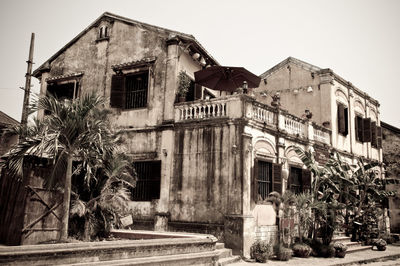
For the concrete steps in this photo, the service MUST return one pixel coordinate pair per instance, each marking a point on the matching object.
(351, 246)
(201, 250)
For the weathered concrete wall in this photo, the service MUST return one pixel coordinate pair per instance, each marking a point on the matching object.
(206, 180)
(285, 81)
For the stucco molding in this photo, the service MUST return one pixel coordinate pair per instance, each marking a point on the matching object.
(341, 95)
(264, 147)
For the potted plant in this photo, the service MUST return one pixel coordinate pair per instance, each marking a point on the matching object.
(261, 251)
(380, 244)
(183, 85)
(340, 249)
(301, 250)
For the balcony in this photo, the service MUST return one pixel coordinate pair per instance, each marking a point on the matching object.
(244, 106)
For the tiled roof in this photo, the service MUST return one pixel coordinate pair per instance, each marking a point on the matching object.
(144, 61)
(66, 76)
(6, 120)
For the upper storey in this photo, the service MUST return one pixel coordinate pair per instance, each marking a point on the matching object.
(351, 114)
(134, 65)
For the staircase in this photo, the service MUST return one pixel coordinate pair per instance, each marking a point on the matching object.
(351, 246)
(173, 251)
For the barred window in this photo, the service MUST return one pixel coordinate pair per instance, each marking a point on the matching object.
(148, 183)
(129, 91)
(264, 179)
(267, 178)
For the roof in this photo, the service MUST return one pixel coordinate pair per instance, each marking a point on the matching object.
(182, 36)
(390, 127)
(316, 69)
(288, 60)
(6, 120)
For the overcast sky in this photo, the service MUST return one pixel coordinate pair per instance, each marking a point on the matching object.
(359, 40)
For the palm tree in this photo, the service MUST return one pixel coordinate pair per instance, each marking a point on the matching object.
(106, 197)
(71, 131)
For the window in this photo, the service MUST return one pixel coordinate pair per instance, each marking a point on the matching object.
(358, 123)
(129, 91)
(368, 131)
(148, 183)
(68, 90)
(374, 142)
(267, 178)
(103, 32)
(299, 180)
(343, 125)
(194, 92)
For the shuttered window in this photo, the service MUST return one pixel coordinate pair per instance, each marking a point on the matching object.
(267, 178)
(359, 128)
(299, 180)
(343, 119)
(149, 180)
(367, 135)
(373, 135)
(129, 91)
(379, 137)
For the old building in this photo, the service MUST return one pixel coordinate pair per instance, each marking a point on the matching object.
(391, 158)
(6, 139)
(352, 115)
(206, 164)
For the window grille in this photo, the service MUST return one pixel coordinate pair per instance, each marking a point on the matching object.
(264, 179)
(148, 183)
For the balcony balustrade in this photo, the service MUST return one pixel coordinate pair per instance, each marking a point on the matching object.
(243, 106)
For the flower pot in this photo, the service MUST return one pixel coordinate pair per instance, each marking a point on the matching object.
(340, 254)
(381, 248)
(181, 99)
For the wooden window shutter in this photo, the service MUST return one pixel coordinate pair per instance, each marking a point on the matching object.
(359, 128)
(379, 137)
(373, 134)
(341, 119)
(367, 129)
(306, 180)
(277, 178)
(197, 91)
(117, 98)
(255, 180)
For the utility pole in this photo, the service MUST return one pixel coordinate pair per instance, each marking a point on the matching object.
(28, 75)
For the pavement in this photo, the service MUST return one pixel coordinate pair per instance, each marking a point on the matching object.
(389, 257)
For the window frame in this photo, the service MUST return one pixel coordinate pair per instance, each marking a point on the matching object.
(343, 126)
(146, 194)
(275, 180)
(305, 186)
(121, 103)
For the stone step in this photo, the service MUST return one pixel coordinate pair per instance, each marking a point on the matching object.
(220, 245)
(341, 239)
(352, 244)
(229, 260)
(224, 253)
(358, 248)
(201, 258)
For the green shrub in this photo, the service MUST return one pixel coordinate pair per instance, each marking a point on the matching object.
(326, 251)
(282, 253)
(261, 251)
(301, 250)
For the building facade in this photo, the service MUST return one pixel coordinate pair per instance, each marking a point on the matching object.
(209, 163)
(391, 159)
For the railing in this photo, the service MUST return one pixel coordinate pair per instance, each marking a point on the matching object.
(240, 106)
(202, 110)
(321, 136)
(294, 126)
(263, 113)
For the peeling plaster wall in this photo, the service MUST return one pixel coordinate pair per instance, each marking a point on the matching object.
(206, 180)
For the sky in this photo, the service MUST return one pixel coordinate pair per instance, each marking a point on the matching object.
(358, 39)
